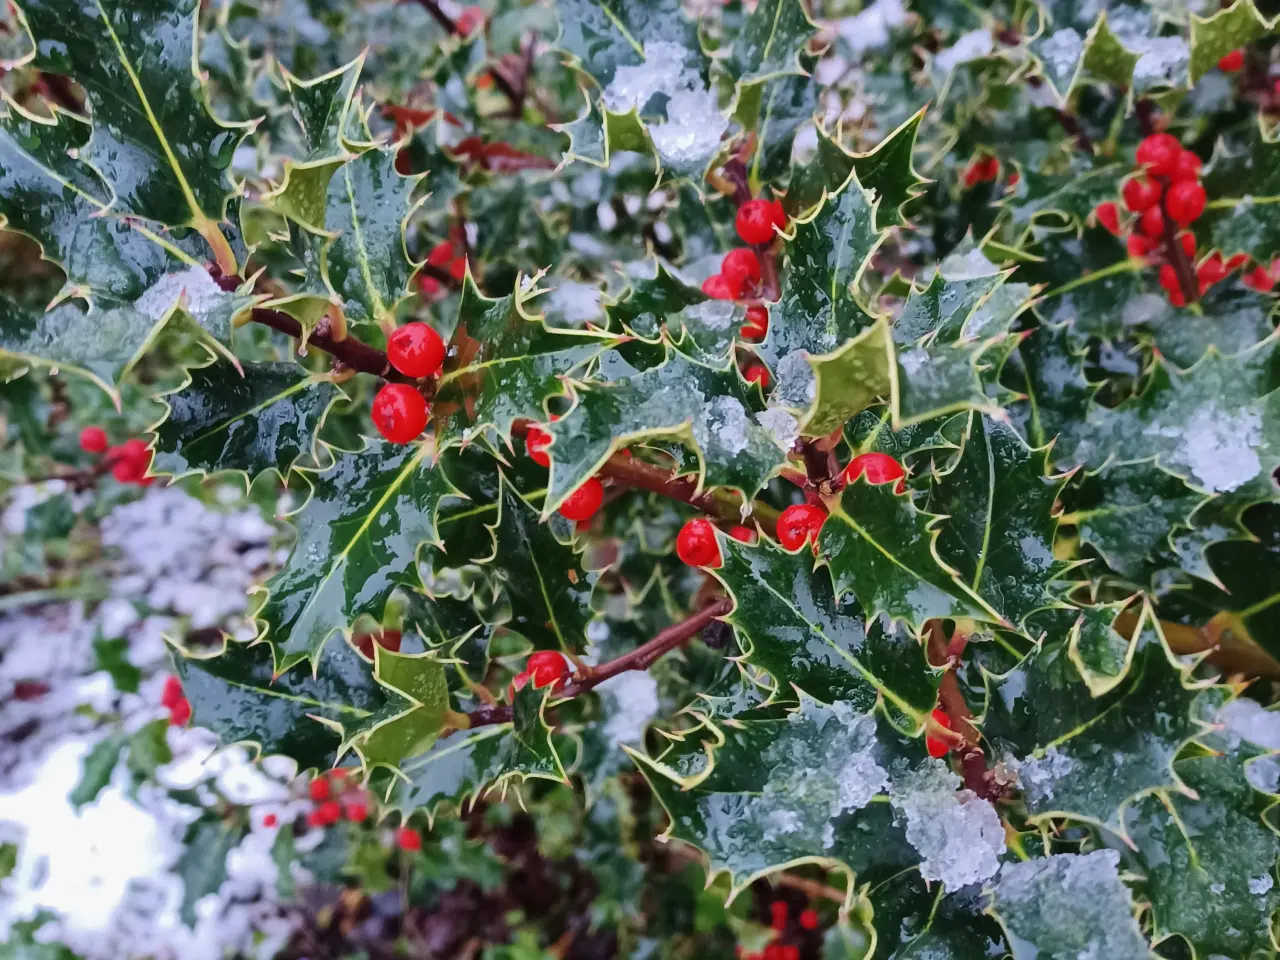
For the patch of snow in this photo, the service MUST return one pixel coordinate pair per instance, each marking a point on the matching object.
(606, 218)
(780, 425)
(971, 46)
(1246, 719)
(970, 265)
(712, 314)
(575, 303)
(1163, 61)
(691, 133)
(1264, 774)
(1218, 447)
(632, 703)
(199, 292)
(1261, 884)
(958, 835)
(797, 385)
(1061, 52)
(1038, 776)
(870, 28)
(724, 424)
(663, 71)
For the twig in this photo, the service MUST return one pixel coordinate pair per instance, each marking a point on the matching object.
(973, 762)
(815, 889)
(641, 658)
(439, 15)
(526, 68)
(1071, 123)
(1173, 250)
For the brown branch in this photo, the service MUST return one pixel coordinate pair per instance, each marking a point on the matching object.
(1071, 123)
(1226, 647)
(438, 15)
(526, 69)
(641, 658)
(352, 352)
(1173, 250)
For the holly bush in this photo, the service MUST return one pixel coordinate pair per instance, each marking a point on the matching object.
(853, 430)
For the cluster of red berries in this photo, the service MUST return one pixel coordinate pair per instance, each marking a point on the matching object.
(400, 410)
(800, 523)
(175, 701)
(128, 462)
(448, 255)
(779, 920)
(335, 797)
(581, 505)
(544, 668)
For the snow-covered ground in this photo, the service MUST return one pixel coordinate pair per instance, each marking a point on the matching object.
(105, 872)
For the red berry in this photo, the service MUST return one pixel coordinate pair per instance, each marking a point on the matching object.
(1212, 270)
(1169, 277)
(798, 523)
(878, 468)
(1233, 62)
(1014, 178)
(756, 326)
(429, 286)
(458, 268)
(440, 254)
(757, 218)
(741, 268)
(330, 812)
(1185, 202)
(937, 746)
(315, 818)
(1140, 193)
(408, 838)
(718, 287)
(1137, 246)
(1158, 153)
(809, 920)
(1108, 215)
(318, 789)
(1152, 223)
(517, 684)
(468, 20)
(778, 914)
(536, 442)
(416, 350)
(1260, 279)
(93, 440)
(583, 503)
(547, 668)
(129, 461)
(759, 373)
(1187, 166)
(742, 534)
(387, 639)
(399, 412)
(696, 544)
(357, 812)
(1177, 299)
(773, 952)
(1187, 240)
(790, 952)
(172, 692)
(270, 820)
(1237, 260)
(180, 713)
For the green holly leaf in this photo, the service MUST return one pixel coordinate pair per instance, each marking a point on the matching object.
(1246, 568)
(1066, 58)
(1223, 31)
(1051, 372)
(1243, 187)
(367, 206)
(789, 625)
(1211, 425)
(1233, 321)
(321, 108)
(999, 531)
(942, 308)
(265, 419)
(712, 410)
(1101, 653)
(1068, 905)
(883, 549)
(202, 866)
(154, 140)
(504, 365)
(237, 694)
(700, 327)
(775, 109)
(412, 716)
(769, 41)
(847, 381)
(1061, 196)
(359, 536)
(96, 769)
(543, 578)
(1210, 862)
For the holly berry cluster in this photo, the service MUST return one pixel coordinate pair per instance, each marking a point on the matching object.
(175, 701)
(400, 411)
(449, 256)
(128, 462)
(780, 922)
(336, 797)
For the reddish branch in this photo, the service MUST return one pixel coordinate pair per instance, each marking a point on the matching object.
(1187, 281)
(973, 762)
(641, 658)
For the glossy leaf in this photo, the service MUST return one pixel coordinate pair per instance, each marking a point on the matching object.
(769, 41)
(412, 716)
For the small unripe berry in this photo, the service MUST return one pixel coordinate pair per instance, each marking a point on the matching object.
(1158, 153)
(1140, 193)
(696, 544)
(536, 442)
(756, 326)
(318, 789)
(583, 503)
(878, 468)
(93, 440)
(1151, 223)
(756, 220)
(718, 287)
(1185, 202)
(1233, 62)
(399, 412)
(798, 523)
(937, 746)
(1108, 215)
(741, 268)
(408, 839)
(759, 373)
(172, 692)
(416, 350)
(547, 668)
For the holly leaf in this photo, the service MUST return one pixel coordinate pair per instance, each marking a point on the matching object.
(543, 578)
(237, 694)
(265, 419)
(154, 140)
(321, 108)
(883, 549)
(1068, 905)
(1246, 569)
(700, 327)
(789, 625)
(707, 408)
(1235, 220)
(768, 42)
(845, 382)
(410, 718)
(96, 769)
(942, 308)
(999, 531)
(1210, 862)
(1223, 31)
(359, 536)
(202, 865)
(503, 365)
(775, 109)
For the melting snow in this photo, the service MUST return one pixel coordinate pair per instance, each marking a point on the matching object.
(723, 424)
(632, 701)
(202, 294)
(663, 71)
(1061, 52)
(958, 834)
(782, 426)
(1163, 61)
(1219, 448)
(1038, 776)
(870, 28)
(1247, 719)
(971, 46)
(692, 130)
(575, 303)
(712, 314)
(797, 385)
(1260, 885)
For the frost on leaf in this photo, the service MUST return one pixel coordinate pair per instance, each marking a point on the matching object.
(1069, 907)
(958, 834)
